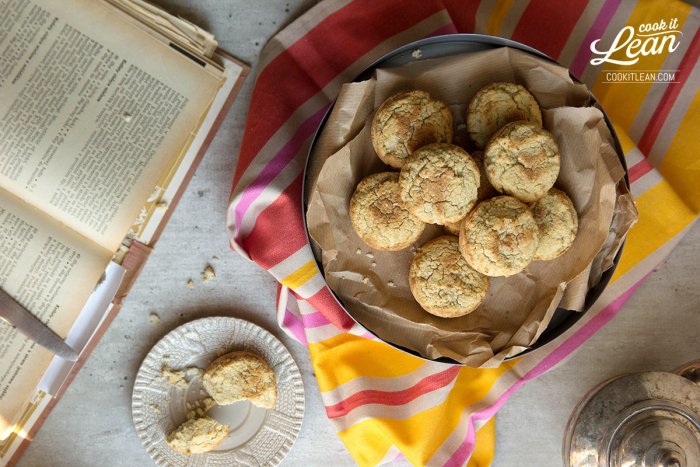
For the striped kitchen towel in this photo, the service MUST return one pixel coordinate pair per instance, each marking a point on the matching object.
(387, 405)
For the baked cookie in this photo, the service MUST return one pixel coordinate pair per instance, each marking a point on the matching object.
(442, 282)
(522, 160)
(557, 220)
(197, 435)
(378, 216)
(496, 104)
(406, 121)
(499, 237)
(438, 183)
(485, 191)
(238, 376)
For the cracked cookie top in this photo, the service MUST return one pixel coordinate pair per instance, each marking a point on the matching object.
(522, 160)
(499, 237)
(239, 376)
(442, 282)
(496, 104)
(439, 183)
(557, 220)
(378, 216)
(405, 122)
(485, 191)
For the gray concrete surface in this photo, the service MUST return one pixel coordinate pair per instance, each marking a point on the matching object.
(91, 425)
(658, 329)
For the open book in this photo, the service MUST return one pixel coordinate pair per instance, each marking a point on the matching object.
(105, 108)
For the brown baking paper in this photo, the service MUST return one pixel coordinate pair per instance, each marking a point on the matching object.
(373, 284)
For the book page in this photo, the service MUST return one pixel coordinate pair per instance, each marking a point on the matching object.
(162, 23)
(166, 193)
(50, 270)
(92, 111)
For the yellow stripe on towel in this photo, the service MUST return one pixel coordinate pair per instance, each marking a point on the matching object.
(497, 16)
(681, 165)
(343, 355)
(662, 215)
(301, 275)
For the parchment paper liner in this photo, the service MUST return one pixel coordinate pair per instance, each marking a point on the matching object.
(373, 285)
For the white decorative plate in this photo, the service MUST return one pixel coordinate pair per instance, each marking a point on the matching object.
(258, 436)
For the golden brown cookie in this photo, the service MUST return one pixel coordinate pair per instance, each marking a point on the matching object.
(197, 435)
(438, 183)
(378, 216)
(522, 160)
(239, 376)
(499, 237)
(485, 191)
(496, 104)
(442, 282)
(405, 122)
(557, 220)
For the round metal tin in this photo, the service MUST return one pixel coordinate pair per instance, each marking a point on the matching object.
(443, 46)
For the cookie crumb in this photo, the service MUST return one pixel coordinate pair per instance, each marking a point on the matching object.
(174, 378)
(391, 284)
(156, 408)
(199, 408)
(373, 264)
(417, 54)
(370, 255)
(365, 280)
(127, 117)
(359, 252)
(180, 378)
(190, 284)
(208, 274)
(193, 371)
(154, 319)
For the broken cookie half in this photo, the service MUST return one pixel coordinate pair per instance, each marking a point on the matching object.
(198, 435)
(240, 376)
